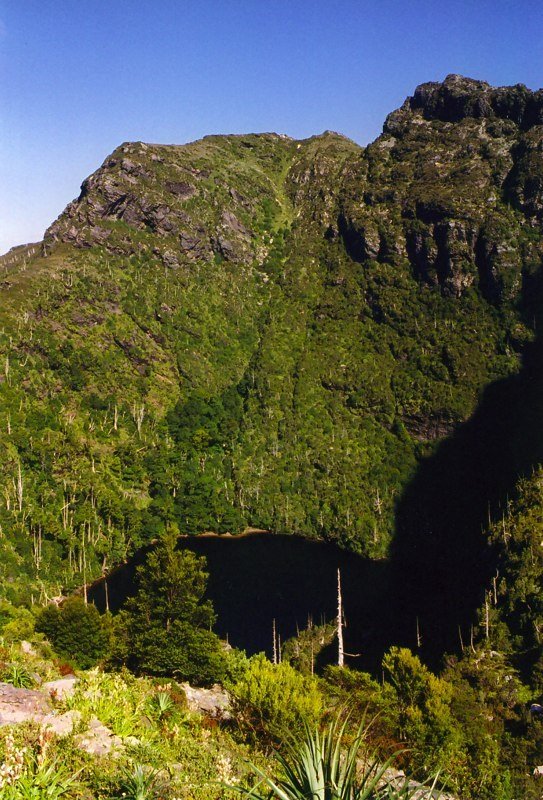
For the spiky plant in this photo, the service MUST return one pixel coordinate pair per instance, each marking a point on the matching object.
(139, 783)
(19, 676)
(40, 781)
(162, 705)
(322, 767)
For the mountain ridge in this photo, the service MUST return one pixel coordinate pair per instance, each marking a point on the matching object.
(251, 330)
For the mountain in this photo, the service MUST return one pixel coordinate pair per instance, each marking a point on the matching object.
(303, 336)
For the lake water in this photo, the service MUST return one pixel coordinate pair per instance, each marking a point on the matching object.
(261, 577)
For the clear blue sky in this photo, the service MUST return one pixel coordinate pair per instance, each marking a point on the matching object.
(80, 76)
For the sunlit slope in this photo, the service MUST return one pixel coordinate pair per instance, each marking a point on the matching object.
(257, 331)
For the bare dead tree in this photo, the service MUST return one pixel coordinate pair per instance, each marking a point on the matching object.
(340, 650)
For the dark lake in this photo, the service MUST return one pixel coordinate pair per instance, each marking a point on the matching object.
(256, 578)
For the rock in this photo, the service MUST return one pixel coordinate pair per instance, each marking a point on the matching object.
(131, 741)
(62, 724)
(397, 779)
(426, 428)
(361, 238)
(232, 223)
(224, 247)
(456, 256)
(458, 98)
(422, 252)
(170, 259)
(214, 702)
(63, 687)
(27, 648)
(21, 705)
(99, 739)
(180, 189)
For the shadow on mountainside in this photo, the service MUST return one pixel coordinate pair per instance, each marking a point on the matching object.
(441, 562)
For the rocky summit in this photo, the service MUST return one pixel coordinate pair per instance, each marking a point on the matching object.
(258, 331)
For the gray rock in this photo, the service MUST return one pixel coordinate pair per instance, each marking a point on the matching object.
(214, 702)
(63, 687)
(21, 705)
(182, 190)
(99, 740)
(62, 724)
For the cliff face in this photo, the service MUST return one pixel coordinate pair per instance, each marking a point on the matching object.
(253, 330)
(437, 188)
(442, 183)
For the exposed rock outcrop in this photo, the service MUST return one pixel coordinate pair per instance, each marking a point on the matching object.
(27, 705)
(22, 705)
(213, 702)
(458, 98)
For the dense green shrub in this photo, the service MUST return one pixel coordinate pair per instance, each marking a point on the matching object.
(16, 622)
(458, 724)
(324, 766)
(273, 699)
(76, 630)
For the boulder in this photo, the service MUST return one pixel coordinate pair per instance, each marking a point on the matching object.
(21, 705)
(99, 739)
(63, 687)
(213, 702)
(61, 724)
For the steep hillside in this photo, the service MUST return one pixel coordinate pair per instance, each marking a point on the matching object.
(258, 331)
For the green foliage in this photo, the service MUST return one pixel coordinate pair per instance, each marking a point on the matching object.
(303, 650)
(320, 767)
(16, 623)
(167, 625)
(118, 700)
(271, 699)
(290, 383)
(19, 676)
(76, 631)
(162, 705)
(458, 724)
(514, 605)
(273, 333)
(28, 773)
(139, 783)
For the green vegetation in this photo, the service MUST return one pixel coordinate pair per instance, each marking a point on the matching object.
(468, 725)
(512, 617)
(319, 767)
(271, 699)
(76, 630)
(250, 331)
(166, 628)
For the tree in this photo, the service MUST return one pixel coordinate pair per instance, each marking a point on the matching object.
(166, 627)
(77, 631)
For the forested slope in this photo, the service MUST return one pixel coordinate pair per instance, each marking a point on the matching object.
(258, 331)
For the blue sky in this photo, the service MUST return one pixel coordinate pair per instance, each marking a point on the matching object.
(78, 78)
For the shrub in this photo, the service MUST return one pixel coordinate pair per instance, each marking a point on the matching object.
(76, 631)
(272, 698)
(17, 623)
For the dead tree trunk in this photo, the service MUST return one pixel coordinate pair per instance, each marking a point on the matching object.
(340, 650)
